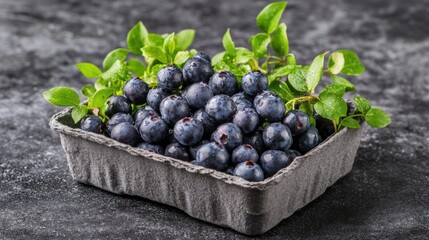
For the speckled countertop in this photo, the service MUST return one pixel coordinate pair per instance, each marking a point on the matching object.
(386, 196)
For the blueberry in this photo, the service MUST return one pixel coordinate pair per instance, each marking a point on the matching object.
(177, 151)
(229, 135)
(91, 124)
(136, 91)
(242, 101)
(209, 124)
(125, 132)
(269, 106)
(203, 56)
(249, 171)
(116, 119)
(153, 129)
(255, 140)
(292, 153)
(277, 137)
(151, 148)
(188, 131)
(170, 78)
(141, 114)
(324, 126)
(272, 161)
(254, 83)
(212, 155)
(230, 170)
(197, 95)
(197, 70)
(117, 104)
(247, 120)
(297, 121)
(194, 149)
(244, 153)
(308, 140)
(173, 108)
(221, 108)
(155, 96)
(224, 82)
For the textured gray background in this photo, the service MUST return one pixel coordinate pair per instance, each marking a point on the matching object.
(384, 197)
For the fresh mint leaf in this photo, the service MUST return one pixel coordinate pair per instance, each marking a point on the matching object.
(62, 96)
(282, 90)
(350, 123)
(216, 59)
(308, 108)
(352, 64)
(335, 89)
(315, 71)
(181, 57)
(136, 38)
(184, 39)
(259, 43)
(268, 19)
(280, 72)
(169, 44)
(331, 106)
(377, 118)
(117, 72)
(155, 52)
(192, 53)
(136, 67)
(89, 70)
(100, 97)
(297, 78)
(344, 82)
(362, 104)
(78, 112)
(336, 62)
(117, 54)
(88, 90)
(244, 55)
(279, 40)
(154, 39)
(228, 44)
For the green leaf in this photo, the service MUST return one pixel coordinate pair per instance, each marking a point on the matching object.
(217, 58)
(181, 57)
(88, 90)
(315, 71)
(308, 108)
(136, 38)
(352, 64)
(279, 40)
(89, 70)
(335, 89)
(154, 39)
(136, 67)
(297, 78)
(184, 39)
(377, 118)
(268, 19)
(259, 43)
(62, 96)
(331, 107)
(100, 97)
(280, 72)
(228, 44)
(244, 55)
(336, 62)
(362, 104)
(117, 72)
(79, 112)
(117, 54)
(291, 60)
(169, 44)
(344, 82)
(282, 90)
(350, 123)
(154, 52)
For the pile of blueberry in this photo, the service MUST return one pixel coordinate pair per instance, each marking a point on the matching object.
(213, 122)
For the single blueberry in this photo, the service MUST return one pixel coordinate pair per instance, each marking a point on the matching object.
(125, 132)
(249, 171)
(272, 161)
(153, 129)
(197, 70)
(277, 137)
(255, 140)
(188, 131)
(173, 108)
(242, 101)
(221, 108)
(141, 114)
(194, 149)
(244, 153)
(117, 104)
(224, 82)
(269, 106)
(254, 83)
(309, 140)
(297, 121)
(209, 124)
(155, 96)
(136, 91)
(151, 148)
(247, 120)
(212, 155)
(229, 135)
(91, 124)
(170, 78)
(203, 56)
(197, 95)
(177, 151)
(292, 153)
(116, 119)
(324, 126)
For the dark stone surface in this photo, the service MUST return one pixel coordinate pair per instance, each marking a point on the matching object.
(386, 196)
